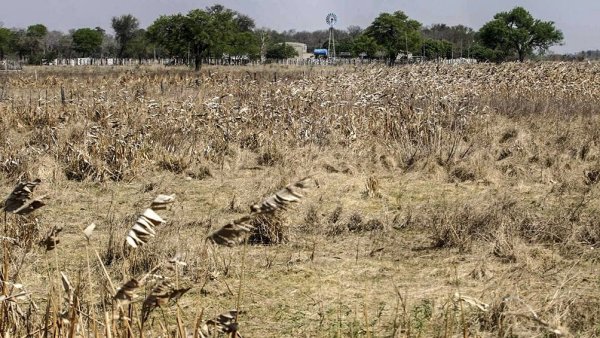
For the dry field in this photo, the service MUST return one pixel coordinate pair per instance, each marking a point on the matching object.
(444, 201)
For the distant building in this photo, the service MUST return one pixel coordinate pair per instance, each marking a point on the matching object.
(300, 48)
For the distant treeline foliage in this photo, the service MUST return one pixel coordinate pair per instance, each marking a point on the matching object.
(216, 32)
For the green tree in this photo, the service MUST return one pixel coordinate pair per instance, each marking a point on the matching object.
(482, 53)
(518, 33)
(395, 33)
(243, 22)
(125, 27)
(139, 46)
(364, 44)
(231, 32)
(5, 41)
(246, 44)
(109, 47)
(343, 45)
(433, 49)
(280, 51)
(87, 41)
(19, 43)
(211, 32)
(179, 35)
(34, 42)
(37, 31)
(64, 46)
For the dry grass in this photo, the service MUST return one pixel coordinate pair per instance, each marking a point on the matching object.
(449, 201)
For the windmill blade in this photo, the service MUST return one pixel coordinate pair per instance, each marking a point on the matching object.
(232, 233)
(281, 199)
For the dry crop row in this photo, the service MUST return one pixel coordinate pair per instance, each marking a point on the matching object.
(115, 126)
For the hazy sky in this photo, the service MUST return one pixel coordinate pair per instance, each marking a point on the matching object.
(578, 19)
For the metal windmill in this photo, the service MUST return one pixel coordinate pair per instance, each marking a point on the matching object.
(331, 20)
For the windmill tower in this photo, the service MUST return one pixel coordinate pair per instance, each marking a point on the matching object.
(331, 20)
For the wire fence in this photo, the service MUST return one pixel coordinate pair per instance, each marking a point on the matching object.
(11, 65)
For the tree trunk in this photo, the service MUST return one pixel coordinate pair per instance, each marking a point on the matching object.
(198, 51)
(392, 60)
(521, 53)
(197, 62)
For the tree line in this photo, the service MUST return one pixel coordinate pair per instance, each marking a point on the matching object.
(216, 32)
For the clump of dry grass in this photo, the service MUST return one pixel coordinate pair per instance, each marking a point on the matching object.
(51, 240)
(265, 224)
(372, 188)
(163, 293)
(126, 293)
(233, 233)
(225, 323)
(20, 201)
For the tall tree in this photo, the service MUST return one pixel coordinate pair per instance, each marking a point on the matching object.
(433, 49)
(109, 47)
(280, 51)
(18, 43)
(264, 37)
(125, 27)
(5, 39)
(53, 43)
(87, 41)
(35, 35)
(64, 47)
(37, 31)
(201, 33)
(243, 22)
(364, 45)
(139, 46)
(518, 33)
(246, 44)
(395, 33)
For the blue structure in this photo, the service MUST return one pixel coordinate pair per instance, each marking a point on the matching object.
(320, 52)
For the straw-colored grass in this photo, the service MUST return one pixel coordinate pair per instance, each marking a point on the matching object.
(444, 201)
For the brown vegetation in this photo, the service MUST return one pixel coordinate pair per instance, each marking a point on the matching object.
(448, 201)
